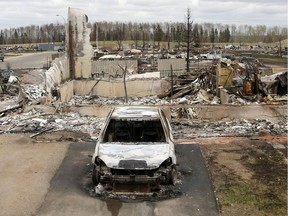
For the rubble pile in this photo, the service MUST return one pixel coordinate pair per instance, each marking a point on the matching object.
(152, 100)
(37, 123)
(200, 96)
(204, 128)
(34, 92)
(244, 80)
(32, 122)
(149, 100)
(241, 80)
(225, 81)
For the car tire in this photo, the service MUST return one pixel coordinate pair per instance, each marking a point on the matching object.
(95, 176)
(172, 179)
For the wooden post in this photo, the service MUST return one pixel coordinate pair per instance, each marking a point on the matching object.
(124, 79)
(125, 88)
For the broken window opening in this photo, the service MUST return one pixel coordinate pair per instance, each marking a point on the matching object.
(134, 131)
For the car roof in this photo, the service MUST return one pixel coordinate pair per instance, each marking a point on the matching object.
(135, 112)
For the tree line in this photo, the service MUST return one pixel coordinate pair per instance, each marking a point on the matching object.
(144, 33)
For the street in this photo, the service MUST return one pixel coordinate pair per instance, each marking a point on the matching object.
(26, 60)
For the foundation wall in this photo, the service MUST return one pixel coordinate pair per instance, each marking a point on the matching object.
(273, 113)
(115, 88)
(111, 67)
(56, 74)
(164, 66)
(66, 91)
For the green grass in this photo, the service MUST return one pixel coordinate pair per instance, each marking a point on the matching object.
(265, 193)
(253, 197)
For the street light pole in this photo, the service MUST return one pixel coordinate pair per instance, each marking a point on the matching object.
(64, 25)
(62, 18)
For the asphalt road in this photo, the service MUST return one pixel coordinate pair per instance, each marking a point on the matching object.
(27, 60)
(70, 189)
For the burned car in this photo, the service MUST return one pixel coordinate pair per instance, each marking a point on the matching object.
(135, 147)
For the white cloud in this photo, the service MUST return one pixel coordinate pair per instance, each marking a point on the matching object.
(195, 2)
(15, 13)
(122, 2)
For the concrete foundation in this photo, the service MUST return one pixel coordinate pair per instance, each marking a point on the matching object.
(66, 91)
(164, 66)
(111, 68)
(273, 113)
(115, 88)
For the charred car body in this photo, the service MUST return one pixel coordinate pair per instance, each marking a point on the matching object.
(135, 147)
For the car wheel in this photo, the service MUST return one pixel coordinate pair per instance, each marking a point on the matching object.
(172, 176)
(95, 176)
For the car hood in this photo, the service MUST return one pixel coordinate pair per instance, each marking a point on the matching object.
(121, 156)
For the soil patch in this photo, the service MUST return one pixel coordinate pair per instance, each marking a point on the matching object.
(249, 175)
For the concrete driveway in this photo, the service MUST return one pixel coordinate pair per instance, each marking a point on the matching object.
(69, 190)
(26, 169)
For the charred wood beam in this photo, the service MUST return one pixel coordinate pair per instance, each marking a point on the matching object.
(182, 92)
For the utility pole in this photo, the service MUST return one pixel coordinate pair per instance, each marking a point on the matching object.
(64, 25)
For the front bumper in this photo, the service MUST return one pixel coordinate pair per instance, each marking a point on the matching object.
(109, 178)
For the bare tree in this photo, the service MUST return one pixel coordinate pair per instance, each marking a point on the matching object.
(120, 35)
(156, 32)
(135, 35)
(179, 33)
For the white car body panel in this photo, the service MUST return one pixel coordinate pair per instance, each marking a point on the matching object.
(153, 154)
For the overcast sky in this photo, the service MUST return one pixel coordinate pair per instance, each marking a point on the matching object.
(17, 13)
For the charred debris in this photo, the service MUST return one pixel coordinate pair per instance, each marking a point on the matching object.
(216, 76)
(223, 81)
(241, 80)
